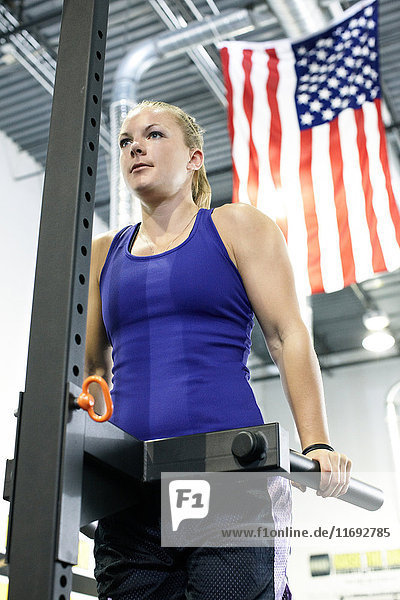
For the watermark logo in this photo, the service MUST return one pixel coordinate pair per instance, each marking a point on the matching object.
(188, 499)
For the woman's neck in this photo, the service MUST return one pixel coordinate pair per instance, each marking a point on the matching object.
(167, 217)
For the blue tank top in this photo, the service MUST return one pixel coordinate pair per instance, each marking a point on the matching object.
(179, 324)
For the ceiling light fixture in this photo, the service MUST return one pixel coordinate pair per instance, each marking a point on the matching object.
(375, 320)
(379, 341)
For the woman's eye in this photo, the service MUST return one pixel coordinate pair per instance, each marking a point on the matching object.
(154, 134)
(124, 142)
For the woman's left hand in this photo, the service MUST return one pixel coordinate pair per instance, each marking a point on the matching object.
(335, 472)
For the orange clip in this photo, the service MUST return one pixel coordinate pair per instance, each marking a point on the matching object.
(86, 400)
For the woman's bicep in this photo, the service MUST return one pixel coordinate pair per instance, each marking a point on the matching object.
(265, 268)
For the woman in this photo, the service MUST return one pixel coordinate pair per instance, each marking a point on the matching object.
(175, 296)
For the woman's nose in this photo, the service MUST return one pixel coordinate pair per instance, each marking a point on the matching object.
(136, 148)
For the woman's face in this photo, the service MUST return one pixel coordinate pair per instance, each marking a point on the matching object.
(154, 159)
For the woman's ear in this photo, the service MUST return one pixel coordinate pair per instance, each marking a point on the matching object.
(196, 160)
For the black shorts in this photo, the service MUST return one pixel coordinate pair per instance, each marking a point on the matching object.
(131, 564)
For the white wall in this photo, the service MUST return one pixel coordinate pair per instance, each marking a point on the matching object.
(20, 202)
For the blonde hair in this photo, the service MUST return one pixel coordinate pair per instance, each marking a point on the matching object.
(193, 137)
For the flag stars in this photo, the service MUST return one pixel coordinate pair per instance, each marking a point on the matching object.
(324, 94)
(303, 98)
(361, 98)
(341, 72)
(328, 114)
(333, 82)
(344, 90)
(307, 118)
(337, 71)
(315, 106)
(336, 102)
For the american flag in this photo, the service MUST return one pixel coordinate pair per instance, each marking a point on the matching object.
(309, 148)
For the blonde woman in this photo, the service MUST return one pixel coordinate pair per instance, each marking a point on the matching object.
(173, 297)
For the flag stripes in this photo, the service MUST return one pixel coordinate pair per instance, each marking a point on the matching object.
(327, 186)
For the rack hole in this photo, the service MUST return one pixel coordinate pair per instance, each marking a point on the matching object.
(90, 171)
(85, 223)
(63, 581)
(84, 250)
(91, 146)
(100, 34)
(75, 370)
(98, 54)
(79, 308)
(62, 597)
(97, 77)
(78, 339)
(88, 196)
(95, 99)
(81, 279)
(93, 122)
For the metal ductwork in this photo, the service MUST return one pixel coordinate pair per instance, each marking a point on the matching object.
(298, 17)
(130, 71)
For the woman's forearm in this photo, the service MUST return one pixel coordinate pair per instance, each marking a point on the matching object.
(301, 380)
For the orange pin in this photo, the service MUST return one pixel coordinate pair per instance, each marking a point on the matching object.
(86, 400)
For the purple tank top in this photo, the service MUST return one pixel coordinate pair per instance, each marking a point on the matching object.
(179, 323)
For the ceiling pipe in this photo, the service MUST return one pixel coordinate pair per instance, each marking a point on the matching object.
(138, 61)
(24, 48)
(297, 17)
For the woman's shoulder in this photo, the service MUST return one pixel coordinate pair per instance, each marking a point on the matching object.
(100, 246)
(102, 241)
(240, 219)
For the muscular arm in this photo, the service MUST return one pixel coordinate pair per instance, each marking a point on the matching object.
(262, 260)
(97, 349)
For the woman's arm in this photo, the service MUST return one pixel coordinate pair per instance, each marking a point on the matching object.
(97, 349)
(262, 260)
